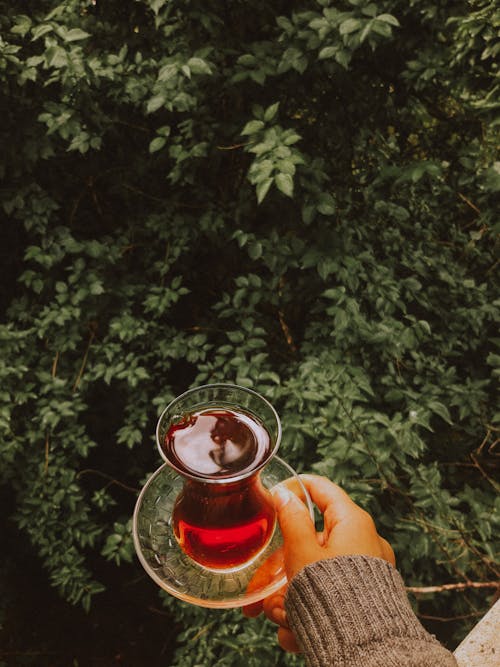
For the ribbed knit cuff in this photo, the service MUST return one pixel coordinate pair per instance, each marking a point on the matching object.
(344, 608)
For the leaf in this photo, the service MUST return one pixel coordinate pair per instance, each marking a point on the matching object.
(41, 30)
(291, 139)
(365, 32)
(252, 127)
(271, 112)
(247, 59)
(284, 183)
(325, 267)
(441, 410)
(425, 326)
(75, 35)
(388, 18)
(262, 189)
(351, 25)
(56, 57)
(157, 144)
(167, 72)
(199, 66)
(255, 250)
(22, 25)
(326, 205)
(286, 166)
(156, 5)
(327, 52)
(155, 103)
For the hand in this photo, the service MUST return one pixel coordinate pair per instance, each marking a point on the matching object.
(348, 530)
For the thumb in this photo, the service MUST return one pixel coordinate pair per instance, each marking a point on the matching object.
(299, 534)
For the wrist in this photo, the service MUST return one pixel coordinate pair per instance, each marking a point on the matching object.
(339, 604)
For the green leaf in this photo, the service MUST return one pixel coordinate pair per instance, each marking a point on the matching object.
(168, 71)
(441, 410)
(271, 112)
(262, 189)
(425, 326)
(199, 66)
(326, 205)
(284, 183)
(327, 52)
(252, 127)
(351, 25)
(56, 57)
(388, 18)
(22, 25)
(157, 144)
(247, 59)
(365, 32)
(155, 103)
(156, 5)
(255, 250)
(291, 139)
(75, 35)
(40, 31)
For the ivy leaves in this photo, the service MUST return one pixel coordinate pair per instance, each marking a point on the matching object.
(302, 202)
(276, 158)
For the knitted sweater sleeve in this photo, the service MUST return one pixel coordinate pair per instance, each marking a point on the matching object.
(352, 611)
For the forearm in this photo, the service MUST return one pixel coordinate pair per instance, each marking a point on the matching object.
(352, 611)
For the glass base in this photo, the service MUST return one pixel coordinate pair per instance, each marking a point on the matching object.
(176, 573)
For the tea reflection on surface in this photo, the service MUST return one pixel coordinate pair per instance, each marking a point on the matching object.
(217, 443)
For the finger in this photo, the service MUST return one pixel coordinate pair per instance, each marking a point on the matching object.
(270, 569)
(297, 528)
(287, 641)
(295, 486)
(293, 516)
(325, 494)
(388, 552)
(274, 608)
(322, 538)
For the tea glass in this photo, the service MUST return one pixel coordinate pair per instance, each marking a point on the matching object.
(213, 540)
(224, 517)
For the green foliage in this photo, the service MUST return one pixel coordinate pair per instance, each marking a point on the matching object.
(294, 196)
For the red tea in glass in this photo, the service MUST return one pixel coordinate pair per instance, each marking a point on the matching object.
(224, 517)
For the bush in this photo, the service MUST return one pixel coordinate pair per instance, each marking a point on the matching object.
(293, 196)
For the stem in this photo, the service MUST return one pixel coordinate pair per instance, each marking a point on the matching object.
(112, 480)
(452, 587)
(84, 362)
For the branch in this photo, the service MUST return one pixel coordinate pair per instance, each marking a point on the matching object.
(54, 365)
(286, 332)
(47, 439)
(447, 619)
(469, 203)
(84, 362)
(231, 148)
(112, 480)
(453, 587)
(284, 326)
(47, 451)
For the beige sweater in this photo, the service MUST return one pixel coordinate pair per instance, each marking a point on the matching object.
(352, 611)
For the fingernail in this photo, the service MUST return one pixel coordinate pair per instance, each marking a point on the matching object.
(281, 496)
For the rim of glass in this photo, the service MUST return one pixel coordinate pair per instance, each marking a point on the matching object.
(226, 478)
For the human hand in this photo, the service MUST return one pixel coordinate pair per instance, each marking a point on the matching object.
(348, 530)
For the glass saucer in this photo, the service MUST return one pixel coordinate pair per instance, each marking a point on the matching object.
(166, 563)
